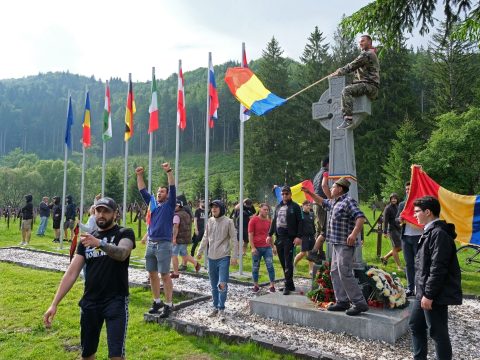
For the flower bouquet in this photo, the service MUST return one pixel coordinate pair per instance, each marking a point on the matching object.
(387, 290)
(322, 292)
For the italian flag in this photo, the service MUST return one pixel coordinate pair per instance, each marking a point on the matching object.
(153, 109)
(107, 115)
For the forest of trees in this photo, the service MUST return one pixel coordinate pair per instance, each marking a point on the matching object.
(426, 113)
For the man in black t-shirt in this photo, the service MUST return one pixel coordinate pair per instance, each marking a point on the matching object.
(106, 255)
(199, 226)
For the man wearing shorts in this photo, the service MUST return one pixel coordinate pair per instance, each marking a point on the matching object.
(159, 246)
(106, 255)
(182, 236)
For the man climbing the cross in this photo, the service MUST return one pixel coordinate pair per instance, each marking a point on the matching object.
(367, 79)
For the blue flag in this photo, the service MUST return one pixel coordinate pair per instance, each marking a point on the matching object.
(68, 130)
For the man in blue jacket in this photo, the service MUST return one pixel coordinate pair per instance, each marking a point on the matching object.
(437, 281)
(159, 246)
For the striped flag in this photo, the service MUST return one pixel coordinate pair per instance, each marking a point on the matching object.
(243, 110)
(107, 115)
(181, 108)
(68, 129)
(212, 92)
(86, 123)
(153, 109)
(129, 111)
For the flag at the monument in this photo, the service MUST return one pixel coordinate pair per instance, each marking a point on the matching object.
(181, 109)
(153, 109)
(152, 205)
(86, 123)
(68, 129)
(213, 94)
(249, 90)
(461, 210)
(243, 110)
(297, 194)
(107, 115)
(129, 111)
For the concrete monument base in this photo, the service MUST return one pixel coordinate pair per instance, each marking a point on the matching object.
(376, 324)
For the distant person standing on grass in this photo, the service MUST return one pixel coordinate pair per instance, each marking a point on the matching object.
(106, 254)
(44, 215)
(27, 219)
(56, 217)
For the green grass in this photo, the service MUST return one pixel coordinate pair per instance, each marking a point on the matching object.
(27, 293)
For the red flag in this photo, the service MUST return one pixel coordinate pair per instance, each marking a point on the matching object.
(129, 111)
(181, 110)
(73, 245)
(213, 94)
(86, 123)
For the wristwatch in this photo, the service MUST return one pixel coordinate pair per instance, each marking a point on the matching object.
(103, 242)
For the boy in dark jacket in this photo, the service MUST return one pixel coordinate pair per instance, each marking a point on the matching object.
(437, 280)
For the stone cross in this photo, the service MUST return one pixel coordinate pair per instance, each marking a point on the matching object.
(328, 111)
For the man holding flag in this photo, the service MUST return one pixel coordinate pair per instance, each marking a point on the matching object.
(159, 246)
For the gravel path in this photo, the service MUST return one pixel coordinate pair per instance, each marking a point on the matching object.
(464, 321)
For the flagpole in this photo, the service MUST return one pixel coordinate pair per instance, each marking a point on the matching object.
(207, 149)
(177, 137)
(82, 186)
(308, 87)
(64, 190)
(104, 153)
(240, 223)
(150, 150)
(125, 174)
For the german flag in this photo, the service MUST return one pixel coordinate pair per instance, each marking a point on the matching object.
(129, 111)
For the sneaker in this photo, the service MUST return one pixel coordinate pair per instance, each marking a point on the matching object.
(182, 267)
(255, 289)
(409, 293)
(155, 307)
(221, 315)
(166, 312)
(213, 313)
(356, 310)
(337, 307)
(272, 289)
(197, 267)
(174, 276)
(346, 124)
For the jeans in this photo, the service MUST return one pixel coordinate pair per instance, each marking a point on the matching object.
(345, 285)
(218, 272)
(43, 225)
(436, 321)
(266, 253)
(285, 255)
(410, 246)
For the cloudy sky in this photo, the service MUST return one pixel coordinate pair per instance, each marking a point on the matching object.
(109, 38)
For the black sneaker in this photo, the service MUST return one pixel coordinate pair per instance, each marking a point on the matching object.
(166, 312)
(356, 310)
(346, 124)
(155, 307)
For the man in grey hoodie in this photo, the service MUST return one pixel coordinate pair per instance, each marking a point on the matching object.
(220, 236)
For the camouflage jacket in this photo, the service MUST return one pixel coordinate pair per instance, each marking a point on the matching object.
(366, 67)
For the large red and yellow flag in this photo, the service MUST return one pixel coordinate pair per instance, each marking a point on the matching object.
(129, 111)
(86, 123)
(461, 210)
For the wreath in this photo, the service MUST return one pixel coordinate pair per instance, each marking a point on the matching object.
(322, 291)
(387, 290)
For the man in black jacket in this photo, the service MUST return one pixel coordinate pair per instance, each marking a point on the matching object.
(437, 280)
(287, 226)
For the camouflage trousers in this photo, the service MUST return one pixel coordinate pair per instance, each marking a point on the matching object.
(356, 90)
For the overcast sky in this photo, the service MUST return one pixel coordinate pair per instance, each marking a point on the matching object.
(109, 38)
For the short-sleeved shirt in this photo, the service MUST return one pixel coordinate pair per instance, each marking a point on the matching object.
(106, 277)
(200, 216)
(161, 215)
(176, 219)
(317, 182)
(344, 211)
(282, 217)
(259, 227)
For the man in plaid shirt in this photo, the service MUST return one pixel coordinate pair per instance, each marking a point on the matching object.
(344, 225)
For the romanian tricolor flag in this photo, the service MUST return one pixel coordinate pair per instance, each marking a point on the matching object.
(151, 207)
(243, 110)
(297, 194)
(181, 109)
(213, 95)
(461, 210)
(129, 111)
(86, 123)
(246, 87)
(153, 109)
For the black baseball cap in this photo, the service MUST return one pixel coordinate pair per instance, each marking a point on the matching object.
(106, 202)
(286, 189)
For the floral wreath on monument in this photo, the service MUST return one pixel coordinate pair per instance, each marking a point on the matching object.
(387, 290)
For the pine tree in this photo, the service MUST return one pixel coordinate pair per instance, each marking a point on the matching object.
(218, 190)
(344, 48)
